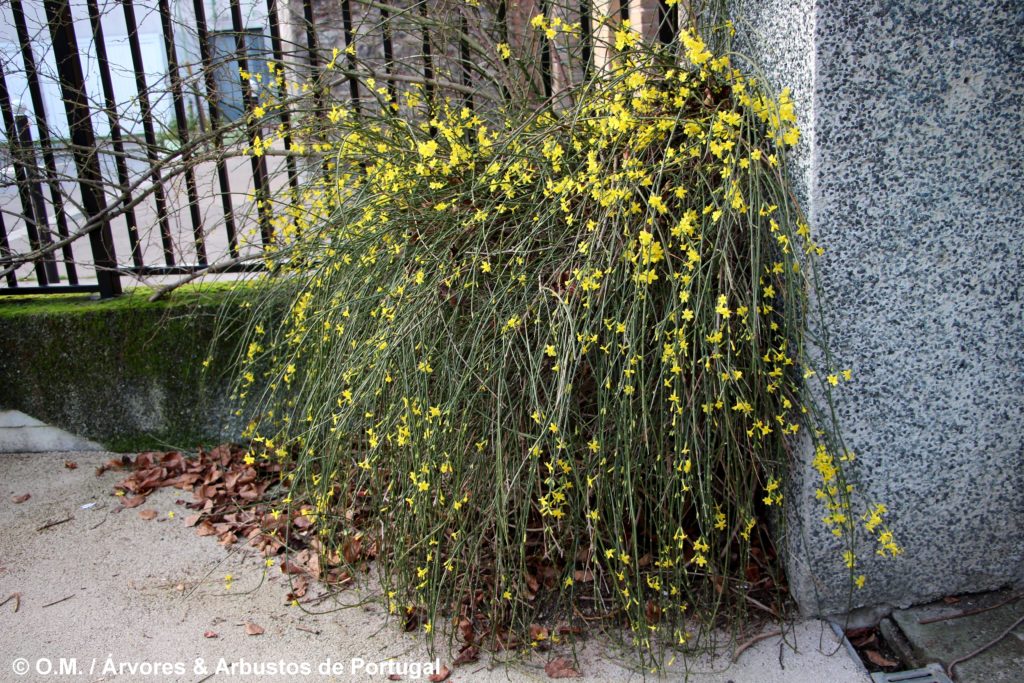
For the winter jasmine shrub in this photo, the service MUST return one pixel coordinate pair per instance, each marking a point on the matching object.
(547, 364)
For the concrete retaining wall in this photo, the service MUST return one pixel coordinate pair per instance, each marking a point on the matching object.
(125, 373)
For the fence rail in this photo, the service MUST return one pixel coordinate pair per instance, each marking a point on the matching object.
(127, 124)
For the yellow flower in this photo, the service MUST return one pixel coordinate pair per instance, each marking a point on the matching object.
(427, 149)
(723, 309)
(696, 51)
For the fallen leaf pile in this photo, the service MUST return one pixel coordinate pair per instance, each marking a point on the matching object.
(216, 477)
(235, 502)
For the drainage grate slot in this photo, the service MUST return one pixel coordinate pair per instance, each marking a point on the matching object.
(933, 673)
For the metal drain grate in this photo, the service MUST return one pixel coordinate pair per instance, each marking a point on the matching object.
(932, 673)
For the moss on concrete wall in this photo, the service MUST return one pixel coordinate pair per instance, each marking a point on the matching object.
(126, 372)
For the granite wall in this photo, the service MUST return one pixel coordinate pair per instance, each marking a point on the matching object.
(911, 172)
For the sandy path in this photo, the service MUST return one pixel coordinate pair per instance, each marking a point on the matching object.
(146, 592)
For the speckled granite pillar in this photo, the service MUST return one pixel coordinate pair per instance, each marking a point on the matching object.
(911, 172)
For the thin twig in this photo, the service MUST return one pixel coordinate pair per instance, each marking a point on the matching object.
(57, 602)
(961, 660)
(762, 606)
(52, 524)
(970, 612)
(17, 601)
(754, 641)
(100, 523)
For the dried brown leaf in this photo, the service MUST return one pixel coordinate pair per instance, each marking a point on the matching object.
(148, 515)
(878, 659)
(561, 667)
(352, 549)
(470, 653)
(652, 611)
(864, 640)
(441, 675)
(205, 528)
(20, 499)
(583, 576)
(70, 465)
(252, 629)
(211, 634)
(467, 630)
(289, 567)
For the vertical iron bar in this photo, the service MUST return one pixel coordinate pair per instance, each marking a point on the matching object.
(5, 252)
(312, 47)
(668, 23)
(428, 68)
(39, 109)
(313, 50)
(586, 38)
(35, 189)
(350, 57)
(181, 118)
(545, 53)
(467, 78)
(147, 127)
(83, 142)
(212, 98)
(261, 188)
(502, 19)
(21, 177)
(389, 54)
(282, 92)
(110, 104)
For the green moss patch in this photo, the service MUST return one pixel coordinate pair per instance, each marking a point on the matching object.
(126, 372)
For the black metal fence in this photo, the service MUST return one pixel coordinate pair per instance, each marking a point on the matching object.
(142, 171)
